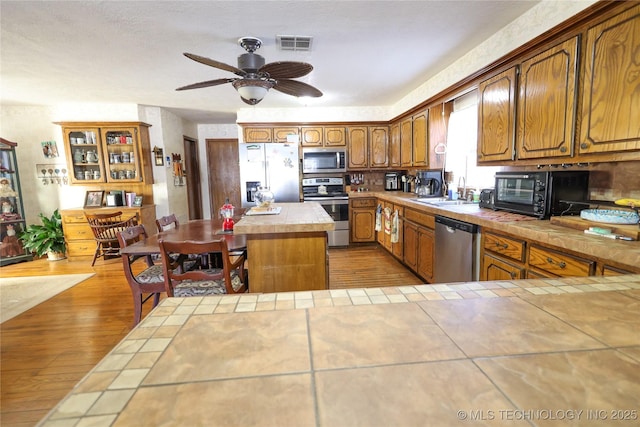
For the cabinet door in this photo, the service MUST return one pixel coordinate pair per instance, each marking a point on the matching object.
(122, 154)
(546, 103)
(280, 134)
(358, 147)
(610, 103)
(426, 245)
(438, 122)
(311, 136)
(252, 134)
(84, 155)
(420, 143)
(362, 225)
(406, 146)
(497, 269)
(496, 117)
(397, 249)
(379, 147)
(410, 243)
(394, 145)
(334, 137)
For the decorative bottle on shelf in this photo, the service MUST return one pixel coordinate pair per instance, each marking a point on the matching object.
(264, 197)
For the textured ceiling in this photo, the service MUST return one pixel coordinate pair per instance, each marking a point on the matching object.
(365, 53)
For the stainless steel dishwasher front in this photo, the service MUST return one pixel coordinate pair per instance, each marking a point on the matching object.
(456, 251)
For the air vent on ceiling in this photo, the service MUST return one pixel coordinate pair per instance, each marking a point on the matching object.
(297, 43)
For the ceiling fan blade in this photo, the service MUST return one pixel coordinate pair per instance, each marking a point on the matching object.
(296, 88)
(207, 84)
(286, 69)
(216, 64)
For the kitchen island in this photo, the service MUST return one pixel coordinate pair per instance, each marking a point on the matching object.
(287, 250)
(477, 353)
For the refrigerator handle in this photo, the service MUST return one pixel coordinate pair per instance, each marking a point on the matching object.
(266, 169)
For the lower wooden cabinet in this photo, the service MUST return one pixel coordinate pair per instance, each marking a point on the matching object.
(362, 219)
(426, 253)
(499, 269)
(78, 235)
(419, 243)
(559, 264)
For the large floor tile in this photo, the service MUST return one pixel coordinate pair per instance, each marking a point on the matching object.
(285, 400)
(374, 335)
(441, 394)
(634, 352)
(502, 326)
(604, 380)
(235, 345)
(612, 317)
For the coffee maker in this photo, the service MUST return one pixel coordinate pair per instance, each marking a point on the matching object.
(429, 183)
(392, 181)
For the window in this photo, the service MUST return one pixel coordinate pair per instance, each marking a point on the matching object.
(462, 145)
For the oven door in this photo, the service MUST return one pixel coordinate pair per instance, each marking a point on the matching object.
(338, 210)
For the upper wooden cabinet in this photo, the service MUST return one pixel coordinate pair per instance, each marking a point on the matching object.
(610, 119)
(394, 145)
(406, 143)
(420, 143)
(334, 136)
(546, 103)
(368, 147)
(107, 152)
(280, 134)
(258, 134)
(438, 125)
(321, 136)
(496, 116)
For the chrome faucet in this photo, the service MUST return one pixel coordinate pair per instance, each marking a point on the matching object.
(464, 186)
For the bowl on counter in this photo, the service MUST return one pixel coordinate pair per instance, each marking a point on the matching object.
(610, 216)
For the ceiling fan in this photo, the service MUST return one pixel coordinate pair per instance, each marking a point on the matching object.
(256, 77)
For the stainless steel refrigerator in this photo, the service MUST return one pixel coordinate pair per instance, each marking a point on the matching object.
(273, 165)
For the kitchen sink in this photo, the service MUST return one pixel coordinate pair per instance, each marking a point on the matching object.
(441, 202)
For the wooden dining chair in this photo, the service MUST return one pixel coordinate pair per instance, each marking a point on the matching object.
(232, 278)
(105, 227)
(144, 279)
(166, 222)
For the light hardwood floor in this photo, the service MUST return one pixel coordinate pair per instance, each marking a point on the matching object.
(49, 348)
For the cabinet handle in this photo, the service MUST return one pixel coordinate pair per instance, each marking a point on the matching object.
(502, 245)
(560, 264)
(584, 145)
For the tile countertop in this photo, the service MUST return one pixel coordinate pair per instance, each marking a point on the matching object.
(477, 353)
(530, 228)
(293, 218)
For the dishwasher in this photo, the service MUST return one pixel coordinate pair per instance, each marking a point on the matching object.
(456, 251)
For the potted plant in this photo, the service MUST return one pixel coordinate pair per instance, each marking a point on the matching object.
(47, 238)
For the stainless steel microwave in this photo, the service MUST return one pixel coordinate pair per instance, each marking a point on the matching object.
(542, 194)
(321, 160)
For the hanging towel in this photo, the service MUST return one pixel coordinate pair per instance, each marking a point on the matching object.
(395, 226)
(378, 226)
(387, 220)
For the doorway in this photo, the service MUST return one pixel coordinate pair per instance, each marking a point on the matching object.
(192, 171)
(224, 172)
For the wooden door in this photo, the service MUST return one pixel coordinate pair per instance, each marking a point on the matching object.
(420, 142)
(394, 145)
(546, 103)
(192, 170)
(334, 137)
(611, 84)
(379, 147)
(358, 147)
(406, 145)
(362, 225)
(497, 269)
(426, 252)
(224, 173)
(410, 244)
(496, 117)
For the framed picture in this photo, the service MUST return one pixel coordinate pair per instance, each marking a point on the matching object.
(137, 201)
(93, 199)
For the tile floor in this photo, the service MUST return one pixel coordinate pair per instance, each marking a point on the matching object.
(542, 353)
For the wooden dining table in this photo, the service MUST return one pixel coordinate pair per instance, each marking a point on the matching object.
(199, 230)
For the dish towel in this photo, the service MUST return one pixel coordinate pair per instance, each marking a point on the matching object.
(395, 226)
(387, 220)
(378, 226)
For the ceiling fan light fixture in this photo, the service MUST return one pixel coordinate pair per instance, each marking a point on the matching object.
(252, 90)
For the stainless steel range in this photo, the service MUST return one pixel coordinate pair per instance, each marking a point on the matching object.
(331, 194)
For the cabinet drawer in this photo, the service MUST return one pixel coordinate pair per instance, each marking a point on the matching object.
(505, 246)
(424, 219)
(363, 203)
(75, 231)
(81, 248)
(559, 264)
(74, 218)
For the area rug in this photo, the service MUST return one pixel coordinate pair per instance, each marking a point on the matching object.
(19, 294)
